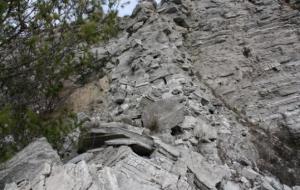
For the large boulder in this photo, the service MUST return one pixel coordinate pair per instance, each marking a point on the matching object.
(25, 165)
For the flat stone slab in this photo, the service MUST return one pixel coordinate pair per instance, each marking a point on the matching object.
(116, 134)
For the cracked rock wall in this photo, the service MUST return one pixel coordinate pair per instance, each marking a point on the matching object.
(202, 95)
(248, 53)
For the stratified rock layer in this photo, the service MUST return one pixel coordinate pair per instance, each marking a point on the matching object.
(247, 52)
(203, 95)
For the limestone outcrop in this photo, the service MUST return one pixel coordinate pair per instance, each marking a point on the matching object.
(202, 95)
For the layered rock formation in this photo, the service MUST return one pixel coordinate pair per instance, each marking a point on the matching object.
(202, 95)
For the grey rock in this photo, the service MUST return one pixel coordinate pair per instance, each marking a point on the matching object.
(296, 187)
(285, 187)
(204, 132)
(249, 173)
(176, 92)
(267, 186)
(74, 177)
(203, 95)
(168, 150)
(143, 8)
(207, 175)
(189, 122)
(116, 134)
(136, 26)
(231, 186)
(82, 157)
(169, 10)
(25, 164)
(163, 115)
(254, 82)
(11, 186)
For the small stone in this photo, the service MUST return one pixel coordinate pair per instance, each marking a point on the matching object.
(193, 141)
(231, 186)
(189, 122)
(136, 42)
(154, 66)
(85, 156)
(244, 180)
(179, 141)
(124, 106)
(185, 67)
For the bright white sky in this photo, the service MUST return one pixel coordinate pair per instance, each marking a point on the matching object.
(128, 7)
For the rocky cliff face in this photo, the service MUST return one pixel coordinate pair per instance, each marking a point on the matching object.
(202, 95)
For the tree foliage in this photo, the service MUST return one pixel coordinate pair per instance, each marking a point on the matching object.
(42, 44)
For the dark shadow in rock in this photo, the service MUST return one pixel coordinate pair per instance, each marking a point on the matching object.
(176, 131)
(116, 134)
(278, 156)
(204, 102)
(181, 22)
(141, 151)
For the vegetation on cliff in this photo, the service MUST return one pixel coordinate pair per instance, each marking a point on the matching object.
(42, 44)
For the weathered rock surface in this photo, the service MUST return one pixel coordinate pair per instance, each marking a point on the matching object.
(202, 95)
(246, 52)
(163, 115)
(38, 157)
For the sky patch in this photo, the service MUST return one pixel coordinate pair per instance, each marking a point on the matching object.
(125, 7)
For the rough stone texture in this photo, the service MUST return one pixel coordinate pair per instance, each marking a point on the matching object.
(219, 80)
(114, 134)
(246, 52)
(163, 115)
(26, 164)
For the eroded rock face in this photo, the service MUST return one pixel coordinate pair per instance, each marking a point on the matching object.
(193, 88)
(37, 157)
(246, 52)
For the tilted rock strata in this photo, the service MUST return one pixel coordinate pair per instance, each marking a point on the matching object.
(248, 53)
(174, 117)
